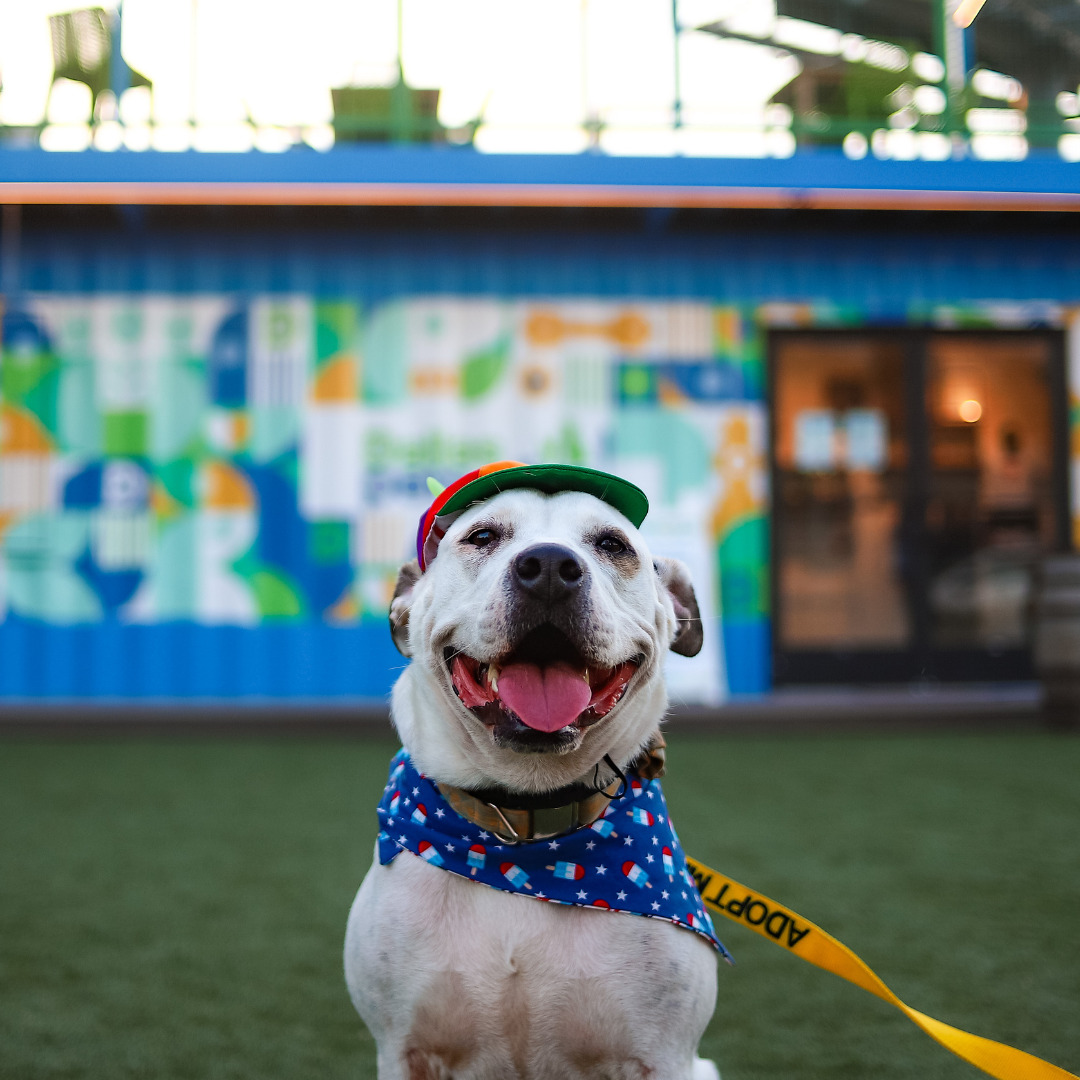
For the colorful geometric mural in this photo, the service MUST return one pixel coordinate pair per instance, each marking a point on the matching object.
(203, 461)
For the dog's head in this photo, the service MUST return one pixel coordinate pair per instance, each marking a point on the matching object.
(537, 637)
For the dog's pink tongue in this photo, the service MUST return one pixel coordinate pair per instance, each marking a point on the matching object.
(545, 698)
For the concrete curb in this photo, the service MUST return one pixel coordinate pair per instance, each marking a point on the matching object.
(808, 709)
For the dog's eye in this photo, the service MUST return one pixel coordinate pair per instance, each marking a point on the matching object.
(611, 545)
(482, 537)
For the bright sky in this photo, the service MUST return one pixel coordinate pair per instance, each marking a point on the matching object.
(533, 70)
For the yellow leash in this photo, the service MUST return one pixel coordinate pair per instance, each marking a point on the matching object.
(800, 936)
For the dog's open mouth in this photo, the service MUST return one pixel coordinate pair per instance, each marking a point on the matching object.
(544, 683)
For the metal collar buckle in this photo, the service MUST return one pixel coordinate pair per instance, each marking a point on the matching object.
(514, 838)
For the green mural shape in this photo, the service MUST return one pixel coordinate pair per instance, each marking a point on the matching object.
(178, 410)
(329, 541)
(42, 583)
(740, 340)
(178, 479)
(275, 429)
(78, 421)
(335, 329)
(126, 434)
(21, 371)
(482, 370)
(288, 466)
(179, 331)
(74, 340)
(276, 597)
(637, 383)
(41, 398)
(644, 431)
(567, 447)
(436, 450)
(385, 375)
(127, 324)
(172, 570)
(744, 570)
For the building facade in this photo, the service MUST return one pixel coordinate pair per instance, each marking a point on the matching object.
(856, 428)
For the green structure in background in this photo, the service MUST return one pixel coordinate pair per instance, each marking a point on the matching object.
(399, 113)
(869, 70)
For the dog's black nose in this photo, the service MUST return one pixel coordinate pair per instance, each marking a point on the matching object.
(549, 572)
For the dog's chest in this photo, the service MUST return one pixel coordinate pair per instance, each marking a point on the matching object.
(454, 968)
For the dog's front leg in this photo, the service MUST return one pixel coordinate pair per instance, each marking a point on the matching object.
(423, 976)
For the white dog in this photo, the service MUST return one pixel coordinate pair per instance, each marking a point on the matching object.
(537, 640)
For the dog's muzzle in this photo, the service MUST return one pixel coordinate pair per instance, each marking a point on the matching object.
(541, 694)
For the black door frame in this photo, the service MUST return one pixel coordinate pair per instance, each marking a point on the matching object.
(921, 662)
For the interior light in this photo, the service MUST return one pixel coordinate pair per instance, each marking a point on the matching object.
(970, 410)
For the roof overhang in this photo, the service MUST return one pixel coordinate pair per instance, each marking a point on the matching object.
(388, 176)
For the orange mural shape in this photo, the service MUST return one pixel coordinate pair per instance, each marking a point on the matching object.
(728, 328)
(737, 462)
(670, 395)
(433, 380)
(162, 503)
(226, 488)
(345, 609)
(7, 517)
(336, 381)
(21, 432)
(549, 328)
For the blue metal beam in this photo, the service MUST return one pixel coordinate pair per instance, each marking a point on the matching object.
(443, 175)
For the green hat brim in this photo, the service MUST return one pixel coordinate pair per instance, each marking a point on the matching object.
(625, 497)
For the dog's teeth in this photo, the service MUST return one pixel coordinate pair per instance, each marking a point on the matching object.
(493, 677)
(585, 676)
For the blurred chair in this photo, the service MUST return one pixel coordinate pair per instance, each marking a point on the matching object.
(85, 44)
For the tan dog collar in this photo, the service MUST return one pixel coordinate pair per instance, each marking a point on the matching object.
(516, 825)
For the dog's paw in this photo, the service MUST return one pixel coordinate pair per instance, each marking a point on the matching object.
(704, 1070)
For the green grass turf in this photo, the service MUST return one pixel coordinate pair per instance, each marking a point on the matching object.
(176, 908)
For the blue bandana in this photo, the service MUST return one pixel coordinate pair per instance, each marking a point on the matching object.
(629, 860)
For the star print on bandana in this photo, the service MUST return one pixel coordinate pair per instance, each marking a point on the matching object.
(595, 866)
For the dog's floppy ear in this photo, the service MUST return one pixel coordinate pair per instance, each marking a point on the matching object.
(407, 577)
(676, 579)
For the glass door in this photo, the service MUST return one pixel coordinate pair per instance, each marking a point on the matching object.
(917, 479)
(991, 510)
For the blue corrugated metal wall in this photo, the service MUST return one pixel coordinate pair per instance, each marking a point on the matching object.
(883, 276)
